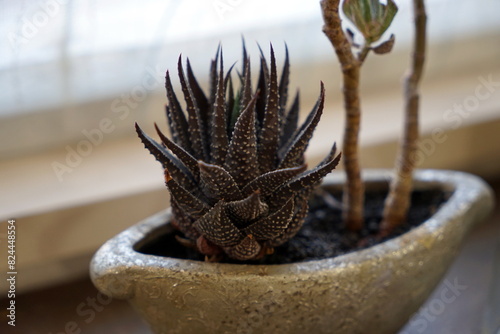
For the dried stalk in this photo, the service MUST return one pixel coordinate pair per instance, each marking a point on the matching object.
(354, 188)
(398, 200)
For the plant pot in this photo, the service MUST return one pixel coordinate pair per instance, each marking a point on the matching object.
(372, 290)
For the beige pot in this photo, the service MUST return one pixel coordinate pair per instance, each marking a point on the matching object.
(375, 290)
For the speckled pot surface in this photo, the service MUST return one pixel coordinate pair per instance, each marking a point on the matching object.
(375, 290)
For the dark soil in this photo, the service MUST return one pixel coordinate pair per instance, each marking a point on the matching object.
(323, 234)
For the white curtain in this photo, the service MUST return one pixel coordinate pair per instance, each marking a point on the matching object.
(57, 54)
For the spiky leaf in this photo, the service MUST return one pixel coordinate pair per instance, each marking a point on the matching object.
(218, 228)
(241, 159)
(274, 225)
(218, 183)
(248, 209)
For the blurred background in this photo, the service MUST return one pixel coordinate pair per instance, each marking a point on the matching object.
(75, 75)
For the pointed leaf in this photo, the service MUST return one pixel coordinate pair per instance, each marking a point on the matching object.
(241, 159)
(270, 181)
(262, 85)
(176, 169)
(289, 126)
(231, 104)
(286, 147)
(273, 225)
(220, 142)
(247, 209)
(269, 135)
(304, 183)
(246, 86)
(201, 100)
(196, 127)
(218, 228)
(295, 153)
(293, 227)
(228, 77)
(330, 156)
(307, 180)
(213, 76)
(177, 120)
(218, 183)
(247, 249)
(245, 54)
(185, 157)
(284, 81)
(389, 12)
(189, 204)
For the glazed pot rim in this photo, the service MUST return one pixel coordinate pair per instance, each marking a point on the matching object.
(469, 192)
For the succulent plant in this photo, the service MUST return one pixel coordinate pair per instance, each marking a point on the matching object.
(371, 17)
(235, 165)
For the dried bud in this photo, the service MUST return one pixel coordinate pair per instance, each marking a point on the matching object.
(385, 47)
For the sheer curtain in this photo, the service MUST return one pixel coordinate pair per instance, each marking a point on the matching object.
(56, 55)
(63, 51)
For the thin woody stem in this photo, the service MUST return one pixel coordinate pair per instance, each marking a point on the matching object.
(363, 53)
(353, 199)
(398, 199)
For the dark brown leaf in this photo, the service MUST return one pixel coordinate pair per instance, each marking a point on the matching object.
(247, 209)
(293, 227)
(269, 134)
(218, 228)
(270, 181)
(262, 84)
(273, 225)
(295, 153)
(185, 157)
(217, 183)
(177, 120)
(241, 159)
(289, 125)
(247, 249)
(219, 139)
(284, 81)
(175, 167)
(188, 203)
(196, 126)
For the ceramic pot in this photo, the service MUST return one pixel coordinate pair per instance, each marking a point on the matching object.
(375, 290)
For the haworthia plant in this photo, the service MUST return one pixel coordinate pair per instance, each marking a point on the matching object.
(234, 165)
